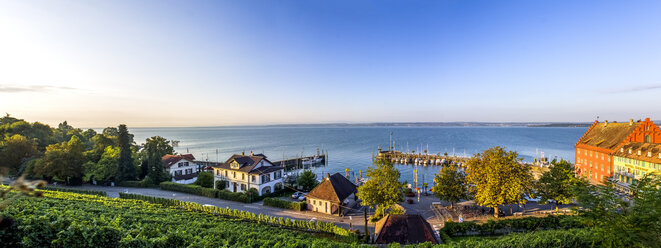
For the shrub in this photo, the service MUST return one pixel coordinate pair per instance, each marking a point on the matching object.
(274, 202)
(513, 225)
(220, 184)
(190, 189)
(204, 179)
(79, 191)
(233, 196)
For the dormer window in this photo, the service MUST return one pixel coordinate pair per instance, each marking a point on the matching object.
(234, 165)
(622, 149)
(649, 154)
(629, 150)
(638, 152)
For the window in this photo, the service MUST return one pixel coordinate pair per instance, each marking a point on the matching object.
(234, 174)
(647, 128)
(177, 173)
(253, 178)
(180, 165)
(225, 173)
(648, 139)
(243, 176)
(243, 187)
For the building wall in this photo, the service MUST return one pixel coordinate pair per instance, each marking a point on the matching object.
(596, 164)
(646, 129)
(194, 167)
(246, 179)
(321, 206)
(628, 170)
(589, 161)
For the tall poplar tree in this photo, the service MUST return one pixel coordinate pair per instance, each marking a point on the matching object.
(497, 177)
(126, 168)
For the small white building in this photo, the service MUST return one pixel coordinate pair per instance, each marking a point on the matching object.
(182, 168)
(241, 172)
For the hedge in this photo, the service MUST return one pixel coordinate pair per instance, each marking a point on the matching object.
(191, 189)
(582, 237)
(274, 202)
(513, 225)
(79, 191)
(314, 226)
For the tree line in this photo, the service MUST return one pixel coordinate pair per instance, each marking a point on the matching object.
(72, 155)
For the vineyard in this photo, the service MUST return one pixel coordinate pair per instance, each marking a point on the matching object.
(61, 219)
(64, 219)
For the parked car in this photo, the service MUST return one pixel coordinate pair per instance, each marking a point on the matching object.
(302, 197)
(297, 195)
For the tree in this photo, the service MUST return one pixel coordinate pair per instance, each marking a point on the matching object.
(126, 169)
(450, 185)
(106, 169)
(63, 160)
(156, 147)
(497, 177)
(635, 222)
(204, 179)
(382, 188)
(14, 151)
(557, 183)
(307, 180)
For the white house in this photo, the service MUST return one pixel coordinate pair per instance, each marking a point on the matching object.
(241, 172)
(183, 168)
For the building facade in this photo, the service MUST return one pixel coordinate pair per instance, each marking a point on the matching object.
(240, 173)
(594, 150)
(331, 195)
(634, 160)
(182, 168)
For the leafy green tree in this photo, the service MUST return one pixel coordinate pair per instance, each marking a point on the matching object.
(557, 183)
(106, 169)
(64, 160)
(382, 188)
(156, 147)
(307, 180)
(100, 142)
(126, 169)
(497, 177)
(14, 151)
(619, 222)
(450, 185)
(204, 179)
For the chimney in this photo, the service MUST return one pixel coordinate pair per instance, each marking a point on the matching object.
(243, 153)
(327, 176)
(630, 122)
(605, 123)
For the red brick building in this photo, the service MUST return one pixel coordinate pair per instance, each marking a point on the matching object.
(594, 150)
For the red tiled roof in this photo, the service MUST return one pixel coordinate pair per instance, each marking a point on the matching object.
(404, 229)
(335, 188)
(169, 159)
(607, 135)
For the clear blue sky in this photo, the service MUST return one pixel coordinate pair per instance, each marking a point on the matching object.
(198, 63)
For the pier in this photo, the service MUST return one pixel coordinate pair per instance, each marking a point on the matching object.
(303, 162)
(398, 157)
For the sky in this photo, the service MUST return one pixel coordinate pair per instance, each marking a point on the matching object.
(209, 63)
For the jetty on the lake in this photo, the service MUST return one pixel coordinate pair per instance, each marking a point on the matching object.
(303, 162)
(399, 157)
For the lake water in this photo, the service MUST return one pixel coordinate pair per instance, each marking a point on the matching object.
(352, 147)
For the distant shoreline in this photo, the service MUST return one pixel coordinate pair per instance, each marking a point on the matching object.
(408, 124)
